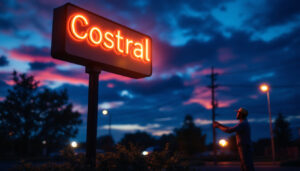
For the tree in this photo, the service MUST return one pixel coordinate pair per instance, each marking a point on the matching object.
(58, 118)
(106, 143)
(189, 137)
(32, 114)
(168, 140)
(282, 132)
(139, 139)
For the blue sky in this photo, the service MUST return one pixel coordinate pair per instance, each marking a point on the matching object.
(248, 42)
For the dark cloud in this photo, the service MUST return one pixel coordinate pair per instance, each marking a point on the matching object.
(3, 88)
(158, 7)
(3, 61)
(6, 24)
(157, 86)
(198, 25)
(77, 94)
(4, 76)
(276, 12)
(34, 51)
(40, 65)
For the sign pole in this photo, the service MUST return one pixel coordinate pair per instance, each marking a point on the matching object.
(91, 134)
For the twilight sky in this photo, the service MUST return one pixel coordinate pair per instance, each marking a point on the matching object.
(248, 42)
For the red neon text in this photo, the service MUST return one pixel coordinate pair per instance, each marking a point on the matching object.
(108, 40)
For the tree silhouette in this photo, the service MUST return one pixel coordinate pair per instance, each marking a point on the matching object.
(169, 140)
(106, 143)
(139, 139)
(32, 114)
(282, 132)
(189, 137)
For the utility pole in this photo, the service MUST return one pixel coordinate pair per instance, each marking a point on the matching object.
(213, 86)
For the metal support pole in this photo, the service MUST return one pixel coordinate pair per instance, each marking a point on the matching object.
(213, 104)
(271, 129)
(109, 124)
(91, 134)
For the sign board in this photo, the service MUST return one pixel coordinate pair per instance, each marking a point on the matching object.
(84, 38)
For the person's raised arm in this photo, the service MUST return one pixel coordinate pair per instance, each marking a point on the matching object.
(225, 128)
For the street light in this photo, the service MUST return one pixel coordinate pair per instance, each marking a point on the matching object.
(145, 153)
(74, 144)
(105, 112)
(223, 143)
(266, 88)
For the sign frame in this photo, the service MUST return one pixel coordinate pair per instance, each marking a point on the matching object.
(59, 51)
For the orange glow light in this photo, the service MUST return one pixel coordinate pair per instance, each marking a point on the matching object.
(112, 39)
(139, 50)
(109, 36)
(264, 87)
(83, 21)
(147, 50)
(128, 42)
(223, 143)
(119, 37)
(99, 35)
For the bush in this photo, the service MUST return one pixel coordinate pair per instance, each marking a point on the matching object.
(121, 159)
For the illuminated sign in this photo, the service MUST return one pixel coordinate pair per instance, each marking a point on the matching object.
(84, 38)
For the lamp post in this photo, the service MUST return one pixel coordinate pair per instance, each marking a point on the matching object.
(266, 88)
(105, 112)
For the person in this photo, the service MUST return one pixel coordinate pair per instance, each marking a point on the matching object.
(243, 138)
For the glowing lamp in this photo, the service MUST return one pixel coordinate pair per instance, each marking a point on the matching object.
(74, 144)
(145, 153)
(264, 87)
(223, 143)
(104, 112)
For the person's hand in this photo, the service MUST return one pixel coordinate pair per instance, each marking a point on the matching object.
(215, 124)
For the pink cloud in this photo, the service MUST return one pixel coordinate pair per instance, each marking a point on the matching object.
(110, 105)
(200, 121)
(161, 132)
(52, 75)
(105, 76)
(202, 96)
(80, 108)
(34, 58)
(225, 54)
(191, 82)
(254, 96)
(110, 85)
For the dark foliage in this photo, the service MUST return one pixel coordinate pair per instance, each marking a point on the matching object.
(106, 143)
(139, 139)
(190, 138)
(121, 159)
(30, 115)
(282, 132)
